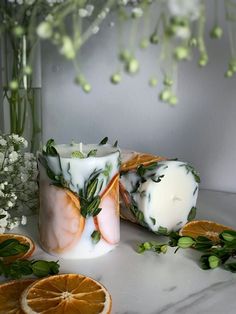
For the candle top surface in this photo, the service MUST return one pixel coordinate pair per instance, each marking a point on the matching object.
(80, 150)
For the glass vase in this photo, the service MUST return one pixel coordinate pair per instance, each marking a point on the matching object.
(21, 110)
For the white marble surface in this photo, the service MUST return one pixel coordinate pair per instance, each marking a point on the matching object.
(159, 284)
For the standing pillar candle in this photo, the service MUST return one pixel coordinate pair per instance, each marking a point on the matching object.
(79, 199)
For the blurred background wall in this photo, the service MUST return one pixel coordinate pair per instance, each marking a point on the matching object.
(201, 129)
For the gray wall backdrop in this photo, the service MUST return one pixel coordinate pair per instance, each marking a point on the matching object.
(200, 129)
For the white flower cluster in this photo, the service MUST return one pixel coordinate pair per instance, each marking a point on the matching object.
(18, 182)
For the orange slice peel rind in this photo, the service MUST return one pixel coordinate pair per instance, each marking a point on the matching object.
(205, 228)
(66, 293)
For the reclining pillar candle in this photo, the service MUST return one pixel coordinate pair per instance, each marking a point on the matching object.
(79, 199)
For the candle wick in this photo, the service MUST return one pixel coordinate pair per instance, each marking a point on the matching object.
(81, 147)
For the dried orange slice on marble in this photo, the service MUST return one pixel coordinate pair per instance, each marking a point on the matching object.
(23, 240)
(10, 293)
(108, 221)
(205, 228)
(67, 293)
(137, 159)
(60, 221)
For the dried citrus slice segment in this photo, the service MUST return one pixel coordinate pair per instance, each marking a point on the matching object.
(205, 228)
(67, 293)
(139, 159)
(10, 293)
(108, 221)
(23, 240)
(60, 221)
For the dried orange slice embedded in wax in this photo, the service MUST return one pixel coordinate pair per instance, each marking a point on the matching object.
(23, 240)
(139, 159)
(205, 228)
(10, 293)
(60, 221)
(108, 220)
(67, 293)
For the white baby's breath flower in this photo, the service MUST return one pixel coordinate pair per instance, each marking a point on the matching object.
(23, 220)
(83, 13)
(187, 8)
(4, 215)
(3, 142)
(137, 12)
(13, 156)
(95, 30)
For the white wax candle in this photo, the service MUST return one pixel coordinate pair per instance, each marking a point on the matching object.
(163, 197)
(66, 229)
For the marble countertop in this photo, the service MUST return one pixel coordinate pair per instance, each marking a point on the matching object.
(159, 284)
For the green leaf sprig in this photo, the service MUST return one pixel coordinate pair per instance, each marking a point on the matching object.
(23, 267)
(215, 255)
(89, 198)
(20, 268)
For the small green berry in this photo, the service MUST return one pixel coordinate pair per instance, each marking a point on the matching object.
(154, 39)
(153, 82)
(214, 261)
(173, 100)
(164, 248)
(168, 82)
(27, 70)
(86, 88)
(203, 60)
(116, 78)
(165, 95)
(229, 73)
(13, 85)
(125, 56)
(185, 242)
(193, 42)
(227, 236)
(147, 245)
(181, 53)
(132, 66)
(216, 32)
(144, 43)
(18, 31)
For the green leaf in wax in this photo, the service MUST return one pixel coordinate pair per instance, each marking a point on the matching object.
(192, 213)
(96, 236)
(92, 187)
(43, 268)
(50, 149)
(115, 144)
(104, 141)
(158, 179)
(77, 154)
(141, 169)
(11, 247)
(18, 269)
(153, 220)
(108, 168)
(92, 153)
